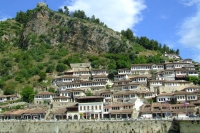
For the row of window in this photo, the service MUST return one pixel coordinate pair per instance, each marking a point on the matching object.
(165, 99)
(191, 89)
(139, 79)
(191, 97)
(106, 95)
(77, 73)
(126, 96)
(180, 97)
(127, 87)
(65, 94)
(84, 84)
(85, 108)
(148, 95)
(141, 67)
(44, 96)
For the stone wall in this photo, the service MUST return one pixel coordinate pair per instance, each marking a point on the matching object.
(192, 126)
(154, 126)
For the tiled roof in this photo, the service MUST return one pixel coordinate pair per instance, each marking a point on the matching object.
(141, 64)
(60, 97)
(39, 111)
(129, 111)
(60, 111)
(166, 94)
(91, 97)
(118, 105)
(45, 93)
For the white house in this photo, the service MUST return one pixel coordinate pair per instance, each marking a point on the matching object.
(99, 72)
(91, 107)
(141, 69)
(164, 97)
(125, 71)
(44, 96)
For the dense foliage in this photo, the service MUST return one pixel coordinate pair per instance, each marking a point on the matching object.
(27, 94)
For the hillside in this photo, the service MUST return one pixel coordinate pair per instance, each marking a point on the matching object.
(39, 44)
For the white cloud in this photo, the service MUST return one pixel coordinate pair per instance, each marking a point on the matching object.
(190, 2)
(116, 14)
(3, 17)
(189, 30)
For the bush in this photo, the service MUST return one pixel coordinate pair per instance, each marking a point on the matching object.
(40, 66)
(9, 89)
(51, 90)
(61, 67)
(42, 76)
(27, 94)
(19, 78)
(50, 69)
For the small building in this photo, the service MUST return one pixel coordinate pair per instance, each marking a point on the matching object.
(73, 113)
(60, 114)
(118, 110)
(44, 97)
(163, 97)
(4, 98)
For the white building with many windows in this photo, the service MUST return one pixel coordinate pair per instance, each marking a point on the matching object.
(91, 107)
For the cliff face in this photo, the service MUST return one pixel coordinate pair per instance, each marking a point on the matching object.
(51, 27)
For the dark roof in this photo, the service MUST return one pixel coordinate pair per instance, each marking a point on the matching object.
(141, 64)
(91, 97)
(60, 111)
(45, 93)
(129, 111)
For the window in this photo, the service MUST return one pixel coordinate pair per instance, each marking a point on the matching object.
(132, 95)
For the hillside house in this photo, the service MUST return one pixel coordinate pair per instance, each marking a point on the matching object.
(125, 71)
(118, 110)
(4, 98)
(165, 97)
(99, 72)
(44, 96)
(141, 69)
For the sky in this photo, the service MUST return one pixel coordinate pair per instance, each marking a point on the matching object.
(175, 23)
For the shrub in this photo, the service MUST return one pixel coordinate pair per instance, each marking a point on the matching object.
(40, 66)
(50, 69)
(61, 67)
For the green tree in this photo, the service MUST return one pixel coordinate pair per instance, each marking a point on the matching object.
(128, 34)
(66, 10)
(27, 94)
(112, 73)
(79, 14)
(42, 76)
(50, 69)
(177, 52)
(60, 10)
(9, 88)
(88, 93)
(2, 84)
(61, 67)
(193, 79)
(51, 90)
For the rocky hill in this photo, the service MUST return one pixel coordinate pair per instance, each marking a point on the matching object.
(54, 28)
(40, 43)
